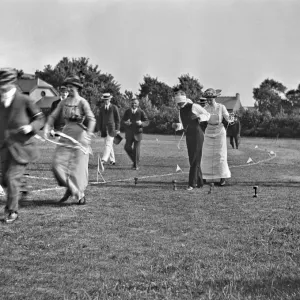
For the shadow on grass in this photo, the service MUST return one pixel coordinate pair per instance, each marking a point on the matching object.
(53, 203)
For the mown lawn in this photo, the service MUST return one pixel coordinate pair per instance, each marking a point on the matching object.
(147, 241)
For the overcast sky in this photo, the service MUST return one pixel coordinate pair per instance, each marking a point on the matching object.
(225, 44)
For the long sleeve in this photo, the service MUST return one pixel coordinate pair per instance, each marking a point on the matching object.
(200, 112)
(126, 117)
(89, 115)
(180, 125)
(55, 114)
(144, 119)
(225, 113)
(37, 117)
(117, 118)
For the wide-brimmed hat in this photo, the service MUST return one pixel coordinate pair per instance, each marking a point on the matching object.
(212, 93)
(7, 76)
(106, 96)
(73, 80)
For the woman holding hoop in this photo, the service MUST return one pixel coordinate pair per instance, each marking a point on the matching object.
(70, 164)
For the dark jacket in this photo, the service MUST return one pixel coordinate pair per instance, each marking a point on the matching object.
(22, 111)
(59, 123)
(189, 120)
(135, 130)
(108, 121)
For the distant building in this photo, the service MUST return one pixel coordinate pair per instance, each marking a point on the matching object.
(36, 88)
(232, 103)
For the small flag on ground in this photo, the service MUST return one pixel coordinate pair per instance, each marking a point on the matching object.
(256, 147)
(178, 169)
(249, 160)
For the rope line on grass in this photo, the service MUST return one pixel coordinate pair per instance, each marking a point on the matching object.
(143, 177)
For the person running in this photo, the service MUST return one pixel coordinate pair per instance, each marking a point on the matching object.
(20, 120)
(70, 164)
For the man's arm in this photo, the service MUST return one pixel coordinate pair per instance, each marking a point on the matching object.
(144, 119)
(200, 112)
(117, 118)
(36, 116)
(125, 117)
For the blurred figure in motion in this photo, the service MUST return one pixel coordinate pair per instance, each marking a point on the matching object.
(70, 164)
(20, 120)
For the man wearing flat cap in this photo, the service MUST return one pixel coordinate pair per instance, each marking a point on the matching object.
(20, 120)
(190, 116)
(109, 126)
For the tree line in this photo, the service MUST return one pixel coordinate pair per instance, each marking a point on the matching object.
(276, 107)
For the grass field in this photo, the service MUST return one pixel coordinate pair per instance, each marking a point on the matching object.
(147, 241)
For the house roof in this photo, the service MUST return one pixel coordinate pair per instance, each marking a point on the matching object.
(27, 85)
(229, 102)
(46, 102)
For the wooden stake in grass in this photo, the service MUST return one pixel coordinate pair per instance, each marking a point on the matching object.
(174, 185)
(211, 188)
(255, 191)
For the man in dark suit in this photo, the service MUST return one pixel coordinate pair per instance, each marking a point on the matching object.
(134, 120)
(20, 120)
(108, 122)
(60, 121)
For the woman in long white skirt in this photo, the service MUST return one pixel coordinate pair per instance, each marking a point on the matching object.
(214, 153)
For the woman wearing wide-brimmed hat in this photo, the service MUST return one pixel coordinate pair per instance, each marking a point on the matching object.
(70, 165)
(214, 153)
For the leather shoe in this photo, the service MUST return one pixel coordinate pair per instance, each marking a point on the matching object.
(189, 188)
(12, 217)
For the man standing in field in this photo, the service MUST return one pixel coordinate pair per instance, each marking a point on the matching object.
(190, 117)
(134, 120)
(109, 126)
(20, 120)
